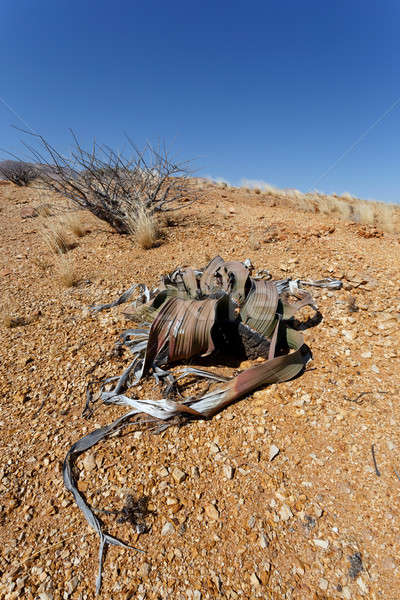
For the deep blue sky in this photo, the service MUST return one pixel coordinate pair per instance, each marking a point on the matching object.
(264, 90)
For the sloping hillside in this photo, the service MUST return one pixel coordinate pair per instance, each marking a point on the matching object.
(227, 518)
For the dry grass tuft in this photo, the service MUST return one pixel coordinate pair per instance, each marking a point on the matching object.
(41, 262)
(254, 242)
(385, 217)
(6, 319)
(66, 272)
(143, 227)
(44, 210)
(56, 238)
(346, 196)
(10, 320)
(166, 220)
(74, 222)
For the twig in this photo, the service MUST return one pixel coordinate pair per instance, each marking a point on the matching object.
(46, 548)
(397, 475)
(357, 398)
(374, 459)
(40, 407)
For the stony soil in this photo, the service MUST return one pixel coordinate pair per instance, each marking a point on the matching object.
(226, 521)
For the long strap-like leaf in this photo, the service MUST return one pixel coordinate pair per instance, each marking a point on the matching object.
(185, 311)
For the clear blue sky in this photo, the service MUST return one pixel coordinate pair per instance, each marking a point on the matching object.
(264, 90)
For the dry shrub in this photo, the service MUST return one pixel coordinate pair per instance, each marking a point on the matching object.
(110, 184)
(66, 272)
(18, 172)
(56, 238)
(74, 222)
(257, 191)
(143, 227)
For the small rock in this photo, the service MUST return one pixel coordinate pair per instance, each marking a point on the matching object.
(28, 212)
(228, 471)
(273, 452)
(366, 355)
(72, 584)
(323, 584)
(163, 472)
(46, 596)
(144, 570)
(178, 475)
(254, 580)
(214, 448)
(264, 541)
(348, 335)
(285, 512)
(89, 462)
(318, 511)
(375, 369)
(346, 593)
(321, 543)
(196, 595)
(167, 529)
(211, 512)
(171, 501)
(362, 585)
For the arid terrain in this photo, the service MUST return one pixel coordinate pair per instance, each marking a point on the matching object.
(276, 497)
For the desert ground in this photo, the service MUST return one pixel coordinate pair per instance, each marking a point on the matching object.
(229, 515)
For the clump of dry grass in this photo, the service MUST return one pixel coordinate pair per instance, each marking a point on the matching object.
(143, 227)
(41, 262)
(5, 318)
(385, 217)
(346, 196)
(74, 222)
(166, 220)
(44, 210)
(254, 242)
(56, 237)
(10, 319)
(66, 272)
(293, 193)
